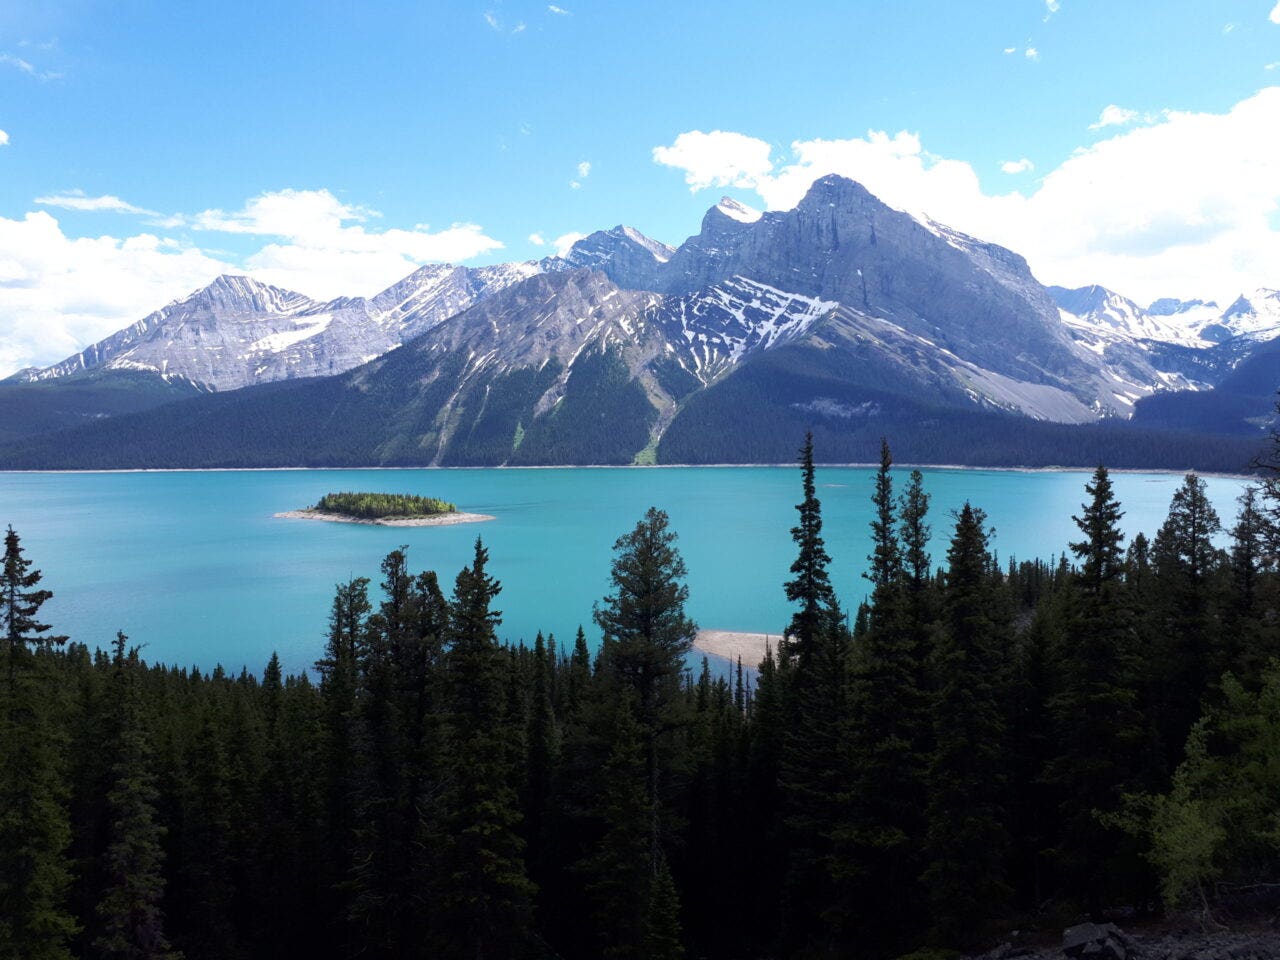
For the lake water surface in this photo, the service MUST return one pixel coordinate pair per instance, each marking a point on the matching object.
(194, 565)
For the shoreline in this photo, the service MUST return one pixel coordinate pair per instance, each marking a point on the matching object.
(729, 645)
(952, 467)
(439, 520)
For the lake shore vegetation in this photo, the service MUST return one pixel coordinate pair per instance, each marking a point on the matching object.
(972, 747)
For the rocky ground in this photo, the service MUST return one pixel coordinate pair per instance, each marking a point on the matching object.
(1166, 941)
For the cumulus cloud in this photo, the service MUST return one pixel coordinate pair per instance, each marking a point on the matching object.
(558, 11)
(716, 159)
(1017, 166)
(563, 242)
(77, 200)
(59, 294)
(328, 251)
(1114, 116)
(1183, 206)
(1051, 7)
(584, 169)
(1275, 14)
(4, 138)
(1009, 50)
(1031, 53)
(537, 239)
(492, 20)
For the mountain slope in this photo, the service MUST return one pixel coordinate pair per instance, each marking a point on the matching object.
(625, 349)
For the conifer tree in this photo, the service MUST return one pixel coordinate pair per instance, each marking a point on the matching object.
(1191, 650)
(483, 896)
(646, 637)
(811, 584)
(967, 837)
(1103, 737)
(34, 829)
(885, 738)
(129, 913)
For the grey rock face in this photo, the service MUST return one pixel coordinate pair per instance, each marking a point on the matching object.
(626, 256)
(238, 331)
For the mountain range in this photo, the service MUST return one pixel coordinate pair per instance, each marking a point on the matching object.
(842, 315)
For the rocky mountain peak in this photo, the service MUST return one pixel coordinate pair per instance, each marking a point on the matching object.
(736, 210)
(236, 293)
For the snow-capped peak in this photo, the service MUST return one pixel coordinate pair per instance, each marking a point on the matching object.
(736, 210)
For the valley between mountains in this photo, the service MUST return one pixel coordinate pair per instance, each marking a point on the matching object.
(843, 316)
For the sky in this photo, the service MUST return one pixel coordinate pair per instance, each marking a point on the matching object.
(330, 147)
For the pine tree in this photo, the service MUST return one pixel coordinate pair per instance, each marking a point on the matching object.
(483, 898)
(967, 838)
(811, 585)
(646, 637)
(132, 923)
(1188, 564)
(885, 738)
(633, 907)
(34, 829)
(1099, 725)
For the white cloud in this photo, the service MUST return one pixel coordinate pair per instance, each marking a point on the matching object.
(4, 138)
(519, 27)
(329, 252)
(584, 169)
(1184, 206)
(558, 11)
(76, 200)
(1017, 166)
(563, 242)
(1272, 66)
(1032, 53)
(716, 159)
(1227, 28)
(1114, 116)
(492, 20)
(27, 67)
(537, 239)
(58, 294)
(1009, 50)
(1051, 7)
(1275, 14)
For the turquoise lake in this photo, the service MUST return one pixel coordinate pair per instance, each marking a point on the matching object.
(194, 566)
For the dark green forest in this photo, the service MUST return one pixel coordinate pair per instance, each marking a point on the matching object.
(376, 505)
(972, 746)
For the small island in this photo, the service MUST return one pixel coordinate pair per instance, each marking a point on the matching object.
(385, 509)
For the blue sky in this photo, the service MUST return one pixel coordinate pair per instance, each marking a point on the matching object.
(330, 146)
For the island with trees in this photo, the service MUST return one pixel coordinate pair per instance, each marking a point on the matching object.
(976, 754)
(385, 509)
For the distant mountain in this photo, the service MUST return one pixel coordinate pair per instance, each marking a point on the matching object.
(238, 331)
(841, 315)
(1099, 310)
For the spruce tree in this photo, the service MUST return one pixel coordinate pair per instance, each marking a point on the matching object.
(34, 830)
(1100, 728)
(885, 738)
(811, 585)
(646, 637)
(967, 837)
(483, 895)
(1191, 649)
(129, 913)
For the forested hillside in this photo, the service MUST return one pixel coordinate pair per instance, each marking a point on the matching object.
(976, 747)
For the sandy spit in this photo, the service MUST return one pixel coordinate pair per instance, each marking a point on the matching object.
(731, 645)
(443, 520)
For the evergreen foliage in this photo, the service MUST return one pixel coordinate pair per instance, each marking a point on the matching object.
(376, 506)
(984, 745)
